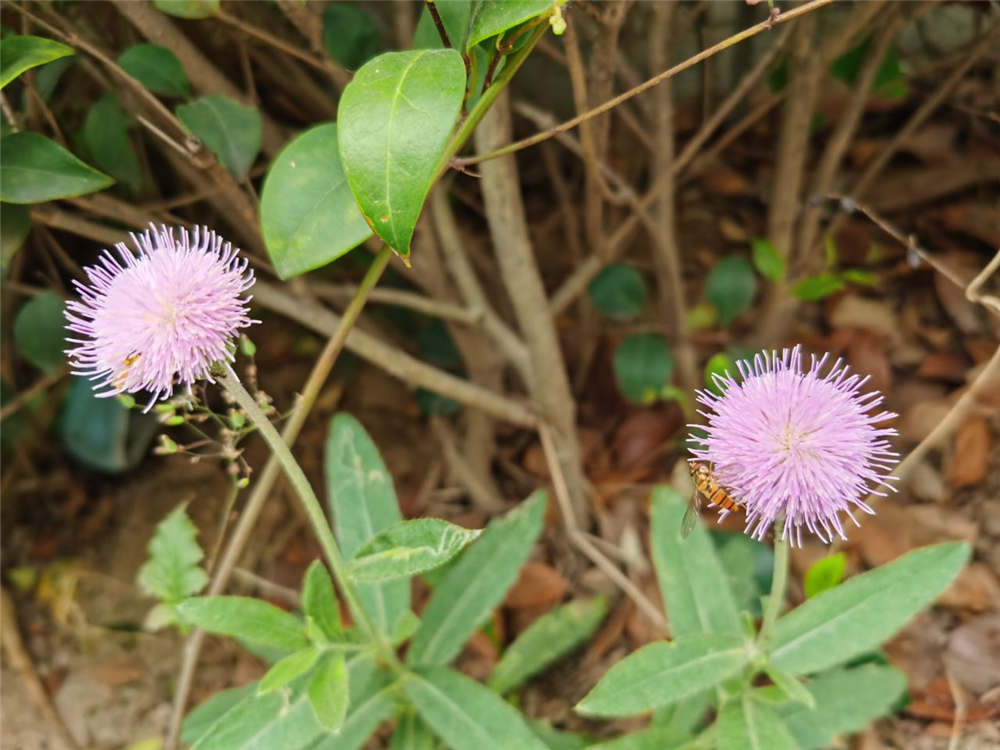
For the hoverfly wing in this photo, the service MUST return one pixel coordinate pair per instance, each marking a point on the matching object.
(691, 515)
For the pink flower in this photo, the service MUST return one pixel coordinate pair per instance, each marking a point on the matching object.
(161, 318)
(796, 444)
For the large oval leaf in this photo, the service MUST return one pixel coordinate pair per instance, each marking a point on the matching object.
(229, 129)
(36, 170)
(363, 503)
(105, 135)
(156, 68)
(395, 119)
(731, 287)
(20, 53)
(663, 673)
(861, 613)
(467, 715)
(39, 331)
(15, 223)
(476, 584)
(307, 212)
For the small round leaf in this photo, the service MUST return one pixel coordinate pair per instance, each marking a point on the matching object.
(731, 287)
(643, 365)
(618, 291)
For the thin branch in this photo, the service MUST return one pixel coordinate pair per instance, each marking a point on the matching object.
(22, 398)
(612, 103)
(438, 23)
(274, 41)
(482, 497)
(410, 300)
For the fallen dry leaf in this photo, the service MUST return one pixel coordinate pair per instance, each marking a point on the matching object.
(944, 366)
(853, 311)
(537, 584)
(917, 423)
(927, 483)
(975, 588)
(973, 449)
(866, 354)
(640, 438)
(973, 653)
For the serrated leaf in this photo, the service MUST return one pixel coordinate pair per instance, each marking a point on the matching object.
(408, 548)
(476, 583)
(466, 715)
(245, 618)
(156, 68)
(690, 575)
(105, 136)
(307, 213)
(188, 8)
(817, 287)
(489, 19)
(824, 574)
(662, 673)
(172, 572)
(865, 611)
(319, 600)
(19, 53)
(363, 502)
(36, 170)
(294, 665)
(847, 700)
(39, 331)
(731, 287)
(229, 129)
(643, 366)
(768, 261)
(550, 637)
(745, 723)
(328, 691)
(349, 35)
(395, 117)
(618, 291)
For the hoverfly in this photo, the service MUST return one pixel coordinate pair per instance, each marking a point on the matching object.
(706, 487)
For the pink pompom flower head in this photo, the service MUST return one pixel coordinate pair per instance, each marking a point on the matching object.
(161, 318)
(793, 443)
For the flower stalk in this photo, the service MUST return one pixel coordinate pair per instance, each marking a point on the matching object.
(779, 582)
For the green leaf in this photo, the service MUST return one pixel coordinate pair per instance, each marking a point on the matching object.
(748, 565)
(455, 17)
(549, 638)
(476, 583)
(105, 136)
(307, 212)
(690, 575)
(395, 119)
(188, 8)
(156, 68)
(791, 687)
(489, 19)
(245, 618)
(408, 548)
(36, 170)
(20, 53)
(405, 627)
(651, 738)
(328, 691)
(15, 223)
(865, 611)
(816, 288)
(768, 261)
(292, 666)
(731, 287)
(643, 365)
(859, 276)
(557, 739)
(825, 573)
(319, 600)
(412, 734)
(39, 330)
(466, 715)
(829, 252)
(618, 291)
(48, 76)
(363, 503)
(100, 432)
(847, 700)
(230, 130)
(686, 715)
(663, 673)
(718, 365)
(242, 720)
(349, 35)
(745, 723)
(172, 572)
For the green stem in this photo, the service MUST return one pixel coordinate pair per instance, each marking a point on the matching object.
(313, 509)
(779, 582)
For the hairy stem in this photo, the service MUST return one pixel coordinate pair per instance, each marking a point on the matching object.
(779, 582)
